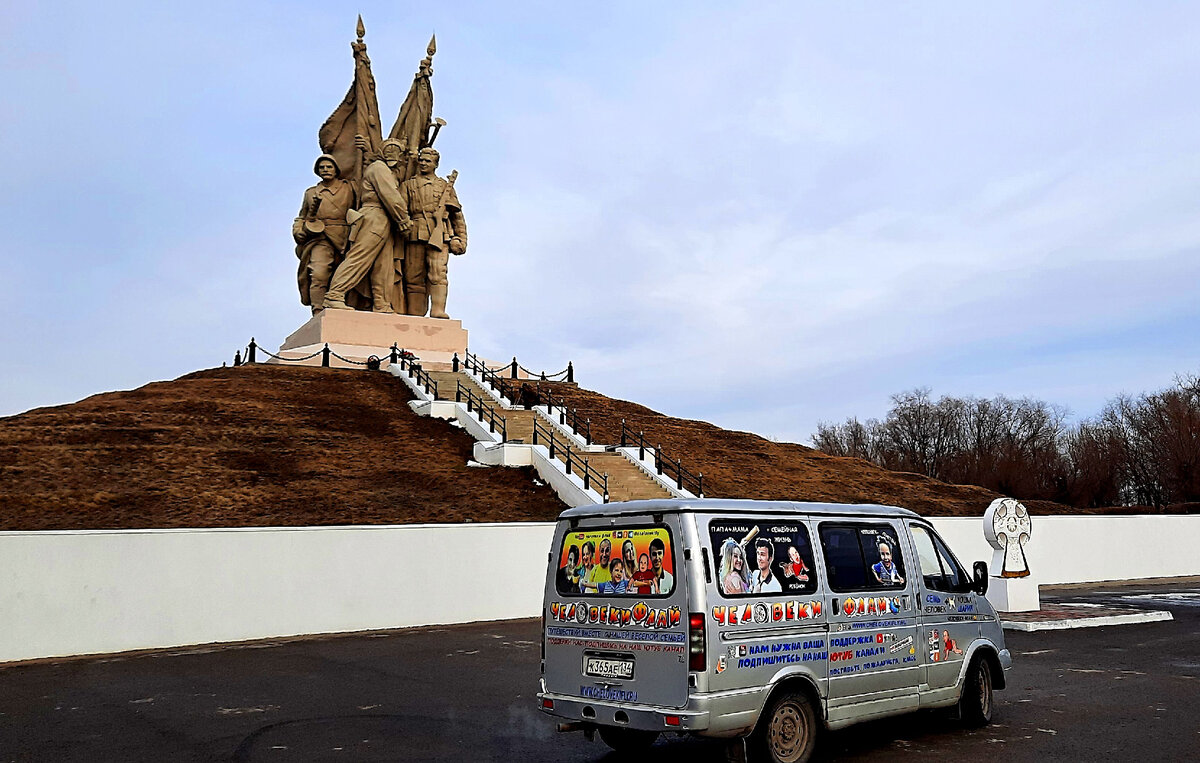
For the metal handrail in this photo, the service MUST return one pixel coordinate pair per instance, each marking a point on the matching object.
(563, 452)
(492, 378)
(412, 364)
(484, 412)
(567, 416)
(684, 479)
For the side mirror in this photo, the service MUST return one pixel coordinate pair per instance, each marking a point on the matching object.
(980, 585)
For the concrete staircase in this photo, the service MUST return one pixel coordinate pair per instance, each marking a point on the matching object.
(626, 481)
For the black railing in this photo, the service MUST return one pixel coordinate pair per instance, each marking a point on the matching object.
(492, 378)
(484, 412)
(474, 363)
(672, 468)
(373, 362)
(562, 451)
(567, 416)
(412, 365)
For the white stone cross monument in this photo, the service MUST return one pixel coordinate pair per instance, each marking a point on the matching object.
(1008, 528)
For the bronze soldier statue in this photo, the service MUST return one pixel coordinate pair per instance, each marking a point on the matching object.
(438, 230)
(321, 231)
(371, 237)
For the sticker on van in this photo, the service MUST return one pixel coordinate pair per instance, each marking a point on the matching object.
(762, 557)
(635, 561)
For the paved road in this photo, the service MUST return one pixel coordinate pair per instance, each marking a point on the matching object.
(466, 693)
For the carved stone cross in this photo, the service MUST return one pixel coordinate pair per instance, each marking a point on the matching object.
(1007, 527)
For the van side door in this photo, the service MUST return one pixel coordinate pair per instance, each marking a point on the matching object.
(873, 628)
(948, 613)
(764, 602)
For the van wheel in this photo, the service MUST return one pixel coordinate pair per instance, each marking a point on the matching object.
(788, 733)
(627, 740)
(975, 704)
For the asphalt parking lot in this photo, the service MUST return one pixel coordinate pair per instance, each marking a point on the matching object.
(467, 693)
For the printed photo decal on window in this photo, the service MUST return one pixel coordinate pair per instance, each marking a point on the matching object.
(756, 558)
(634, 562)
(862, 557)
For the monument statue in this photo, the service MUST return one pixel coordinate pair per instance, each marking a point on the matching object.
(438, 230)
(383, 243)
(371, 240)
(321, 231)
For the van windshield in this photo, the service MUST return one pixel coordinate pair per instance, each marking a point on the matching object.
(637, 561)
(762, 557)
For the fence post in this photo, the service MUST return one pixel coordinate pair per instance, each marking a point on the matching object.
(395, 352)
(454, 363)
(568, 460)
(587, 475)
(503, 430)
(514, 367)
(325, 356)
(250, 354)
(589, 431)
(237, 358)
(679, 473)
(700, 484)
(641, 446)
(658, 458)
(606, 487)
(570, 372)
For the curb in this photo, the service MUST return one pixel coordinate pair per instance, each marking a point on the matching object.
(1133, 617)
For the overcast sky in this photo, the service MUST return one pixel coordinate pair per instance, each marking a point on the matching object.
(761, 215)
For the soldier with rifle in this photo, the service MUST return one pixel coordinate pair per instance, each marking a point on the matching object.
(438, 230)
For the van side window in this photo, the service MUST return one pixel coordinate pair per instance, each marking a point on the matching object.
(940, 570)
(861, 557)
(637, 561)
(759, 557)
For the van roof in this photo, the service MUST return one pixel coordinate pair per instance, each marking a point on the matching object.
(733, 507)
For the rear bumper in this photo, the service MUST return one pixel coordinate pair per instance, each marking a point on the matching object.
(722, 714)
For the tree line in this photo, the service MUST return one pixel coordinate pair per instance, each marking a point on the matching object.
(1139, 450)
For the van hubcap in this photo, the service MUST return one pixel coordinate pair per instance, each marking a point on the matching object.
(787, 733)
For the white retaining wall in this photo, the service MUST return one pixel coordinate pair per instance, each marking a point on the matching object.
(82, 592)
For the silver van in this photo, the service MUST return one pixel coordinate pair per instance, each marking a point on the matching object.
(759, 622)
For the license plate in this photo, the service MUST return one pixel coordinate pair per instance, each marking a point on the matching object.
(607, 667)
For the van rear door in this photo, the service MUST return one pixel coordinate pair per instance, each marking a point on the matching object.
(612, 636)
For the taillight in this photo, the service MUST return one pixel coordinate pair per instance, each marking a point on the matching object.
(696, 643)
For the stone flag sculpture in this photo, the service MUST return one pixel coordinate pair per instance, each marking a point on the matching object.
(358, 114)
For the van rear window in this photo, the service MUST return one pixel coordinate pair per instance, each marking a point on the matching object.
(758, 558)
(635, 561)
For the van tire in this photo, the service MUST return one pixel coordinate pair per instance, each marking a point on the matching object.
(788, 732)
(627, 740)
(975, 704)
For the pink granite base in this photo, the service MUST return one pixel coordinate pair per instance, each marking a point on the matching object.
(357, 335)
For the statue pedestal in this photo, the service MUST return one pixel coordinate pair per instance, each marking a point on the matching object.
(1014, 594)
(357, 335)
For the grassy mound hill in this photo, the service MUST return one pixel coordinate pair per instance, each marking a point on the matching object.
(290, 446)
(251, 446)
